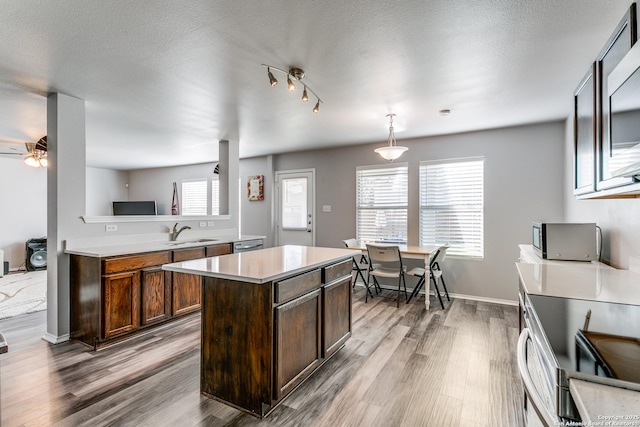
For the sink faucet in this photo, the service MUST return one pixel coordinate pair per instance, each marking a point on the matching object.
(174, 234)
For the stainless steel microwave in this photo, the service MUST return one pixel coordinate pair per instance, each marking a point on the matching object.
(565, 241)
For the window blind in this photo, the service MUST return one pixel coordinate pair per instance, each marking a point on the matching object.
(452, 206)
(382, 203)
(194, 197)
(215, 196)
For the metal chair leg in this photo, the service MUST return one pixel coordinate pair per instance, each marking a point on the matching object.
(359, 273)
(416, 289)
(446, 292)
(435, 285)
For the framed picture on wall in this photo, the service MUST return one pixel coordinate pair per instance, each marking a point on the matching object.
(255, 187)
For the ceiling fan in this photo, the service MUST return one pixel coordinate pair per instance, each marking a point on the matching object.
(33, 153)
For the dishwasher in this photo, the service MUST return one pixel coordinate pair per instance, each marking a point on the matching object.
(247, 245)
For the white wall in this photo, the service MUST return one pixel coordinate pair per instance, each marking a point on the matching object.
(523, 182)
(23, 208)
(103, 186)
(618, 218)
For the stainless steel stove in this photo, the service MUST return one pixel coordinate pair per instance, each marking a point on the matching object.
(573, 338)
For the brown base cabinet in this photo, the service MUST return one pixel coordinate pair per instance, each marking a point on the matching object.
(260, 341)
(116, 296)
(186, 288)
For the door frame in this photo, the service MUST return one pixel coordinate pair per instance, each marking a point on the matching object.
(278, 206)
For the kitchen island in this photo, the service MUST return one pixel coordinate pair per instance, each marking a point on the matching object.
(270, 318)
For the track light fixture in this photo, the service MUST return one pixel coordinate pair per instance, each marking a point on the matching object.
(272, 79)
(391, 151)
(293, 74)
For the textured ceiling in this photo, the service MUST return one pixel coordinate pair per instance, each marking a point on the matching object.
(165, 80)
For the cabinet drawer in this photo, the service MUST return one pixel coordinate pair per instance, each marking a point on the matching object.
(218, 250)
(298, 285)
(187, 254)
(336, 271)
(135, 262)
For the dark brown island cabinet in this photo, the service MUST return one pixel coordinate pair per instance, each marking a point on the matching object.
(262, 337)
(113, 297)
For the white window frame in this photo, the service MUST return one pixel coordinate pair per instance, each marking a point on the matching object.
(392, 204)
(459, 186)
(187, 196)
(211, 195)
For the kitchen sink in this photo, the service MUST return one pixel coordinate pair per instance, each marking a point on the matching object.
(185, 242)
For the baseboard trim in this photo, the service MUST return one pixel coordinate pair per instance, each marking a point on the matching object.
(484, 299)
(53, 339)
(459, 296)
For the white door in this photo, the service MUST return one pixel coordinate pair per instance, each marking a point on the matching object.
(296, 207)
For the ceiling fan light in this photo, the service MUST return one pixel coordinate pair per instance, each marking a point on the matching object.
(290, 84)
(31, 161)
(305, 98)
(272, 79)
(43, 162)
(316, 108)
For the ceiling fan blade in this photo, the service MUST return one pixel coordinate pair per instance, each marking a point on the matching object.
(42, 144)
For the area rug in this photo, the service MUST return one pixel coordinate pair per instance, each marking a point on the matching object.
(21, 293)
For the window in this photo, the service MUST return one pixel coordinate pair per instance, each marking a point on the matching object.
(215, 196)
(382, 203)
(194, 197)
(294, 203)
(452, 205)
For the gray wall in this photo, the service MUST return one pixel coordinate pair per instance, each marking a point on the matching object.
(157, 183)
(257, 215)
(103, 186)
(23, 208)
(523, 182)
(618, 218)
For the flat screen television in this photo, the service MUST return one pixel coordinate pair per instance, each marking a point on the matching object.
(147, 207)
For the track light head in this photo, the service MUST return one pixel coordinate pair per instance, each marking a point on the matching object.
(294, 74)
(272, 79)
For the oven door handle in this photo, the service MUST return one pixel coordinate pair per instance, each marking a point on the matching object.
(545, 415)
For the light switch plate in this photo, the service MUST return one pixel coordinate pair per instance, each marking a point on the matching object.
(210, 224)
(203, 223)
(326, 208)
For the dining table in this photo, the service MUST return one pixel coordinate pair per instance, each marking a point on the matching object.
(407, 252)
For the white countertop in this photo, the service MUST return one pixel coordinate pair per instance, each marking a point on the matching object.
(263, 265)
(599, 403)
(529, 255)
(587, 282)
(125, 248)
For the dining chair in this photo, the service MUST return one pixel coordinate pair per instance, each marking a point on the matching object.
(435, 274)
(360, 263)
(436, 270)
(386, 261)
(420, 273)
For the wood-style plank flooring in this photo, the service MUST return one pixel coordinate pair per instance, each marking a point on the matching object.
(401, 367)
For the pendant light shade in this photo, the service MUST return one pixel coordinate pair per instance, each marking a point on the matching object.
(392, 151)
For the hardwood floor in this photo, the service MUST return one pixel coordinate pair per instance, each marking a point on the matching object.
(401, 367)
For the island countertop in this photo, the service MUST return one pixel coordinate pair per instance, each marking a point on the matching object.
(263, 265)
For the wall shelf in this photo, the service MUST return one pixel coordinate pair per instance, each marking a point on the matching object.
(151, 218)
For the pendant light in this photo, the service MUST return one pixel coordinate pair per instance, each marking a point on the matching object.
(392, 151)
